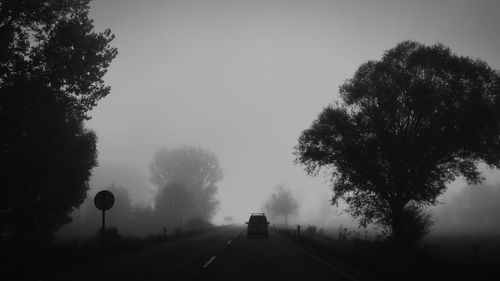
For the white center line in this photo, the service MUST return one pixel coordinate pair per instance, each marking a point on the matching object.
(213, 258)
(209, 262)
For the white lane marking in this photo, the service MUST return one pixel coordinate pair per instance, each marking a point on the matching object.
(213, 258)
(209, 262)
(229, 242)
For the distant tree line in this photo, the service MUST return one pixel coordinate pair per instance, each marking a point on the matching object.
(186, 180)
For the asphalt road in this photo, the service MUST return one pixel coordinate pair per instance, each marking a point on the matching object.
(221, 254)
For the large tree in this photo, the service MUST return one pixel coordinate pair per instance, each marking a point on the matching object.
(281, 203)
(187, 176)
(51, 69)
(409, 124)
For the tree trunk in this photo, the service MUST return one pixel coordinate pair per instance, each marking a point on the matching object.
(397, 222)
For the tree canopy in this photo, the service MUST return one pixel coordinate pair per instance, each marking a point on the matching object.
(186, 178)
(409, 124)
(52, 65)
(281, 203)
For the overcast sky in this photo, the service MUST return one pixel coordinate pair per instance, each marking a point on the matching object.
(244, 78)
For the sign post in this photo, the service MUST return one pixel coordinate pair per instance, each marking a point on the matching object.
(104, 200)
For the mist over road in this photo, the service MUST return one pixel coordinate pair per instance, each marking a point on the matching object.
(221, 254)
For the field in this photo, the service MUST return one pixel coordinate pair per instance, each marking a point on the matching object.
(438, 257)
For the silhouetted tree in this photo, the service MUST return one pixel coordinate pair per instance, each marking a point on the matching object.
(186, 177)
(281, 203)
(409, 124)
(51, 69)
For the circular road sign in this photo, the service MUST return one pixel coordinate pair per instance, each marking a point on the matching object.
(104, 200)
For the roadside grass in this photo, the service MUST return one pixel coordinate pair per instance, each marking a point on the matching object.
(35, 262)
(452, 257)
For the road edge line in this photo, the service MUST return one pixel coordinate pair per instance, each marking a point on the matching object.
(209, 262)
(302, 249)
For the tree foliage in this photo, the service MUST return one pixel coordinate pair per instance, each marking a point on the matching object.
(409, 124)
(51, 69)
(186, 178)
(281, 203)
(174, 205)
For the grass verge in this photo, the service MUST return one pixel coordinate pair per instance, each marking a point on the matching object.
(38, 262)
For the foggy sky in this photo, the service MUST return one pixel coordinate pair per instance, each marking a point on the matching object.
(244, 78)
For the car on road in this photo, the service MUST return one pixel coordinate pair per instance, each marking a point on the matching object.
(258, 226)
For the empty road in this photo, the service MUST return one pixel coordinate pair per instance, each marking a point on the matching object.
(220, 254)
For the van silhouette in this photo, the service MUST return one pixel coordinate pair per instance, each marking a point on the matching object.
(258, 225)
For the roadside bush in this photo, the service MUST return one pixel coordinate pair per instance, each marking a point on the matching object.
(416, 226)
(311, 229)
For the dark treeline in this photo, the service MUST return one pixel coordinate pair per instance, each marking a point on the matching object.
(52, 64)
